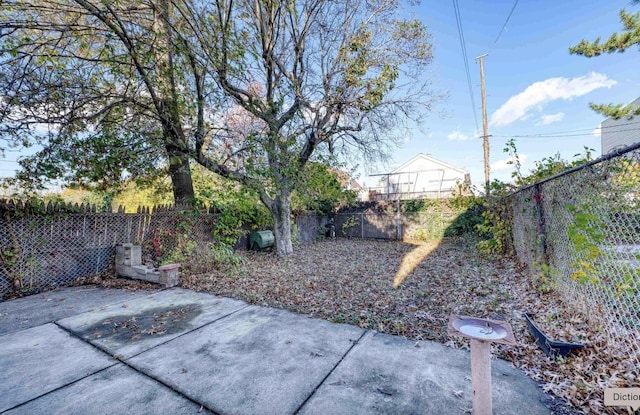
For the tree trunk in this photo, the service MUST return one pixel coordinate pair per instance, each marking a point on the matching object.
(280, 209)
(180, 173)
(167, 106)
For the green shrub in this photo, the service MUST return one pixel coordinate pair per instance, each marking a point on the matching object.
(197, 258)
(495, 227)
(467, 222)
(421, 235)
(239, 208)
(350, 223)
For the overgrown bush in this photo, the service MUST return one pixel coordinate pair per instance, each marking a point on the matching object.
(419, 205)
(469, 220)
(239, 210)
(421, 235)
(350, 223)
(198, 258)
(495, 226)
(322, 189)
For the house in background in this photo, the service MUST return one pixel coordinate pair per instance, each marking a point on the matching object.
(346, 181)
(616, 134)
(422, 177)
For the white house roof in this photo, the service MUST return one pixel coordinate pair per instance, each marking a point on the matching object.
(406, 167)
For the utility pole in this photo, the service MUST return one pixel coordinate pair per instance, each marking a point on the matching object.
(485, 136)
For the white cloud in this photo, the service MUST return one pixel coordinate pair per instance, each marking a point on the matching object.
(597, 131)
(550, 119)
(536, 95)
(508, 163)
(458, 136)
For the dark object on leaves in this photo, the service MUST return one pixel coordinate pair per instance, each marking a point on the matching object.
(549, 347)
(330, 229)
(261, 240)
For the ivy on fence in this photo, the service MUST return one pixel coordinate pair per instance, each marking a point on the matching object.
(578, 232)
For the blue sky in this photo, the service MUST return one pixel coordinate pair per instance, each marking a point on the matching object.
(533, 85)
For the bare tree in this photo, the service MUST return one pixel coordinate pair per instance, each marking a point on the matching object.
(316, 75)
(301, 78)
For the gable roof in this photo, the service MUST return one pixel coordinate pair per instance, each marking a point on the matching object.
(403, 167)
(345, 179)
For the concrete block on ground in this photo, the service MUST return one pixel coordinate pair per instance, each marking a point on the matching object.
(259, 360)
(117, 390)
(128, 254)
(169, 275)
(138, 272)
(39, 360)
(144, 273)
(125, 271)
(166, 275)
(389, 374)
(130, 328)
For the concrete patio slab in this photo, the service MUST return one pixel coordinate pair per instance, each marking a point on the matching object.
(126, 329)
(34, 310)
(188, 352)
(386, 374)
(39, 360)
(259, 360)
(116, 390)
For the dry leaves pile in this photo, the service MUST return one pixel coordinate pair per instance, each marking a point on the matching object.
(352, 281)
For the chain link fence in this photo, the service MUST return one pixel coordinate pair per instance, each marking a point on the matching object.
(45, 246)
(42, 248)
(579, 232)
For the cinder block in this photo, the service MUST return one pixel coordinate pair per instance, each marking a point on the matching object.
(135, 256)
(169, 275)
(126, 271)
(128, 254)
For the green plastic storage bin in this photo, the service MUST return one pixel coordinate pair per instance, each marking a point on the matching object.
(261, 240)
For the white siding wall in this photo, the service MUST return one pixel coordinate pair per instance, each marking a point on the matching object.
(620, 133)
(421, 177)
(431, 180)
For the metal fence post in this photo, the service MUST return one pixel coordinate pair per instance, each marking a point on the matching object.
(537, 196)
(588, 240)
(398, 223)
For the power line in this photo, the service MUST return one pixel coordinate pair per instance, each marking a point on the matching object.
(623, 127)
(504, 26)
(557, 136)
(463, 46)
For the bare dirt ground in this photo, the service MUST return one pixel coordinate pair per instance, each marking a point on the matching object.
(410, 289)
